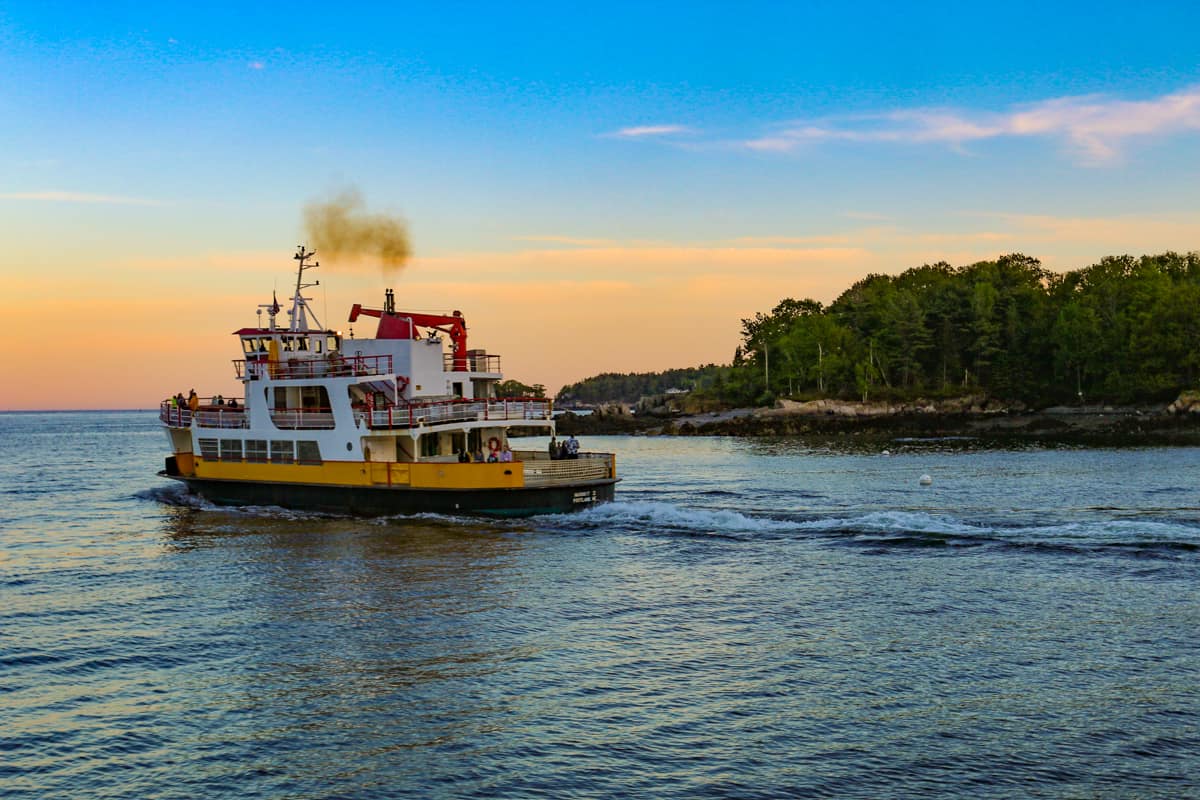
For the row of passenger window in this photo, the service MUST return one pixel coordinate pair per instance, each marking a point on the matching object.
(275, 451)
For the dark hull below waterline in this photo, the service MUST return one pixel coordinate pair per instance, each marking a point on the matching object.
(384, 501)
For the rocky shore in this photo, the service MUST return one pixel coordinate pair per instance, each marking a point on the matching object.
(971, 418)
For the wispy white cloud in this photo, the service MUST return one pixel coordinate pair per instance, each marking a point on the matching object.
(649, 131)
(78, 197)
(1094, 127)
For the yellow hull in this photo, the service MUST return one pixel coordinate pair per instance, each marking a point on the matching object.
(361, 473)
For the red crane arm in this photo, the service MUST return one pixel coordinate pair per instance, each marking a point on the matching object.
(402, 325)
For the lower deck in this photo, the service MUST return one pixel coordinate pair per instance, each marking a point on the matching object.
(528, 469)
(387, 500)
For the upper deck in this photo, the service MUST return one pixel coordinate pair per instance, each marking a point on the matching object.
(333, 365)
(534, 410)
(301, 375)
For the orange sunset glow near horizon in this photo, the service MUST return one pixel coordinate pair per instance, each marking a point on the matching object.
(596, 193)
(127, 334)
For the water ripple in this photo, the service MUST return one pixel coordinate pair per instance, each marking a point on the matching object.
(749, 620)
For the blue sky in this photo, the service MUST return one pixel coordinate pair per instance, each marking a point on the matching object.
(774, 149)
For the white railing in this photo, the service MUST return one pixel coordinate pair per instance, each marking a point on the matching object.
(541, 471)
(209, 414)
(331, 366)
(475, 362)
(175, 416)
(459, 411)
(221, 418)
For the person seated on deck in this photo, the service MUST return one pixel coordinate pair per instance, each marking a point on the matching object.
(233, 402)
(478, 458)
(464, 457)
(506, 455)
(492, 457)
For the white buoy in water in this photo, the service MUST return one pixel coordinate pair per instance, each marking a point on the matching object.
(926, 480)
(886, 453)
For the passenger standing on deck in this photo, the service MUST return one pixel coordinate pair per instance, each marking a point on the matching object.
(193, 401)
(572, 447)
(506, 454)
(553, 448)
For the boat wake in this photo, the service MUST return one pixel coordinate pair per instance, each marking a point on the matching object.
(178, 496)
(650, 515)
(174, 494)
(1094, 529)
(892, 529)
(920, 528)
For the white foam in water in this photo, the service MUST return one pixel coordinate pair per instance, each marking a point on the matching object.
(423, 516)
(176, 495)
(172, 494)
(667, 515)
(896, 522)
(181, 497)
(278, 512)
(1118, 531)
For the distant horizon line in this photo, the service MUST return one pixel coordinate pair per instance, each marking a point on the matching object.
(68, 410)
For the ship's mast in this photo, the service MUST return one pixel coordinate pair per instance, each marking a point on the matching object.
(300, 311)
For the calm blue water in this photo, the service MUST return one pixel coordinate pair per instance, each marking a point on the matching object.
(753, 619)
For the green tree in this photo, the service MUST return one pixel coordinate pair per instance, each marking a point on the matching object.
(512, 388)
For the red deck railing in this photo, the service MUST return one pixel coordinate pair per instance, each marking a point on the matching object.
(461, 410)
(207, 415)
(302, 368)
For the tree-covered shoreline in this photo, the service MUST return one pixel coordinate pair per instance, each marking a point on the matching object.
(1124, 330)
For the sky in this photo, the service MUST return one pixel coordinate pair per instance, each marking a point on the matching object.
(597, 187)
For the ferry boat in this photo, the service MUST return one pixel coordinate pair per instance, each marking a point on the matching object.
(395, 424)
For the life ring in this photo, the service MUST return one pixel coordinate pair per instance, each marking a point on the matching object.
(494, 444)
